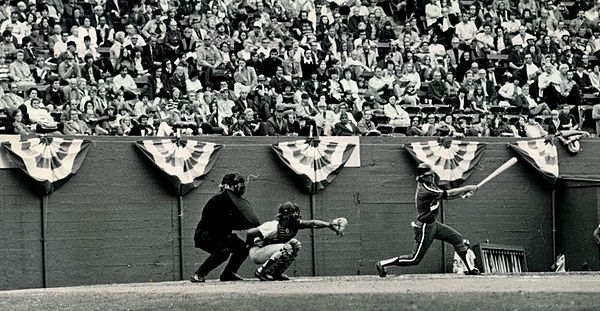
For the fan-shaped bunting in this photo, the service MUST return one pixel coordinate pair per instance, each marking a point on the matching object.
(50, 161)
(317, 163)
(452, 160)
(185, 162)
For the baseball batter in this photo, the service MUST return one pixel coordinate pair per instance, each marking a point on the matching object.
(275, 247)
(426, 227)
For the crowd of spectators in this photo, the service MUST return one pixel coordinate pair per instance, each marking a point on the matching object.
(283, 67)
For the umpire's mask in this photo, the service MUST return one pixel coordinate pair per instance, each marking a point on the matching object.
(236, 182)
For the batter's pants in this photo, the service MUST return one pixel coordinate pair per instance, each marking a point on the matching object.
(424, 236)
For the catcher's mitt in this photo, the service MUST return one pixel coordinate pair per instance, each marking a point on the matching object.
(339, 225)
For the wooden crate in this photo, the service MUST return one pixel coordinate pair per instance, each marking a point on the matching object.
(500, 259)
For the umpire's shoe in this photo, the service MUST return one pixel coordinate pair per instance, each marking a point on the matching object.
(197, 278)
(380, 269)
(230, 276)
(473, 271)
(261, 275)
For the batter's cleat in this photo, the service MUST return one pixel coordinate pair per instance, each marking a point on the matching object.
(380, 269)
(230, 276)
(473, 271)
(261, 275)
(197, 278)
(281, 277)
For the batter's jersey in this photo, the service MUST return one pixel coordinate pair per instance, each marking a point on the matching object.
(427, 199)
(274, 233)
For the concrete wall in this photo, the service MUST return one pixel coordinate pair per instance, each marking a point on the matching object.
(115, 221)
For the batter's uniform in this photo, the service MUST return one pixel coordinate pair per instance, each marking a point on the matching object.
(276, 238)
(426, 228)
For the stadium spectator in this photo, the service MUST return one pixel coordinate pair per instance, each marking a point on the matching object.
(18, 126)
(276, 124)
(19, 71)
(75, 126)
(362, 59)
(344, 127)
(365, 126)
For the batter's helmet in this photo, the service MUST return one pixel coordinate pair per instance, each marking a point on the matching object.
(423, 169)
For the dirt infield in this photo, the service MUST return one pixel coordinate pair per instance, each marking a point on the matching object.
(573, 291)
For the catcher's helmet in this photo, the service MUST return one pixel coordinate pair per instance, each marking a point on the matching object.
(423, 169)
(288, 208)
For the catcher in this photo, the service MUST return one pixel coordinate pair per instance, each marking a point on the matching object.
(275, 247)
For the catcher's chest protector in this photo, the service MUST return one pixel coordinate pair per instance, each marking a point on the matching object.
(284, 235)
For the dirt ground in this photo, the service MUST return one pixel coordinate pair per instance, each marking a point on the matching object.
(546, 291)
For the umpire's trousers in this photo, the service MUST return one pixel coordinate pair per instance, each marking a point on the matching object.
(219, 249)
(424, 236)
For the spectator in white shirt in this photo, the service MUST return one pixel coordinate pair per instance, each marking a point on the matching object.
(88, 30)
(192, 83)
(87, 48)
(513, 24)
(433, 11)
(466, 30)
(61, 45)
(510, 90)
(125, 82)
(17, 28)
(398, 116)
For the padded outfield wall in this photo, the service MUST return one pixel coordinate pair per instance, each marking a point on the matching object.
(115, 221)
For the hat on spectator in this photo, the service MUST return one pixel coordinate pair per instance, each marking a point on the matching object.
(262, 77)
(279, 107)
(257, 24)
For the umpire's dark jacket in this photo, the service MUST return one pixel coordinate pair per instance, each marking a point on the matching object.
(223, 213)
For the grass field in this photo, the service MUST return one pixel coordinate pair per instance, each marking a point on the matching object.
(533, 291)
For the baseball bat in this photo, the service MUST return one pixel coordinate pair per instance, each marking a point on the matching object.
(495, 173)
(498, 171)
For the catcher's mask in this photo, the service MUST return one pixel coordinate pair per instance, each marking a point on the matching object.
(289, 212)
(426, 174)
(236, 182)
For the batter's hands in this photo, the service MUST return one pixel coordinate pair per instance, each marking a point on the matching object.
(467, 195)
(471, 188)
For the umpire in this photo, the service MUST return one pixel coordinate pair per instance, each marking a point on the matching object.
(224, 212)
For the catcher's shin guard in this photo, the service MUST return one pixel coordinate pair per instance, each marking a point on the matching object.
(283, 259)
